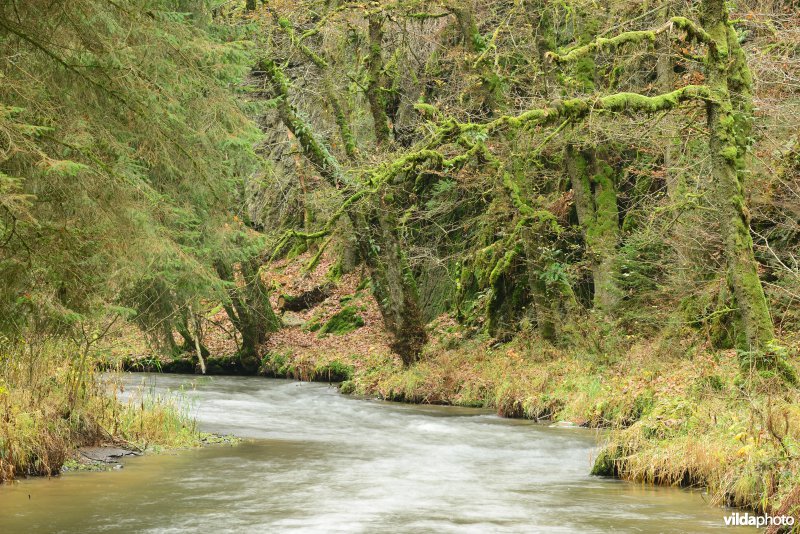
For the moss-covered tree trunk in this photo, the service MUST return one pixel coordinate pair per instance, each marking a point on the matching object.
(553, 300)
(596, 203)
(666, 82)
(729, 119)
(375, 85)
(393, 283)
(490, 93)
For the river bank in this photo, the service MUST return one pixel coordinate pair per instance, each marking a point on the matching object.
(314, 460)
(53, 409)
(680, 413)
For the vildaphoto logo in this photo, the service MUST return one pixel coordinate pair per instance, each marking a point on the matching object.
(760, 521)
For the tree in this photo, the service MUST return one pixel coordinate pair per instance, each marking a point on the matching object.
(593, 184)
(394, 287)
(114, 187)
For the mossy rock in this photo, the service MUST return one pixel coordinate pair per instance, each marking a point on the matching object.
(181, 365)
(606, 463)
(343, 322)
(277, 365)
(348, 387)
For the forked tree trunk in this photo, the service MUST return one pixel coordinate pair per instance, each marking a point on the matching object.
(393, 285)
(375, 85)
(249, 309)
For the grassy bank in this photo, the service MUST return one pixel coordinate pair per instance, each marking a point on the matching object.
(51, 404)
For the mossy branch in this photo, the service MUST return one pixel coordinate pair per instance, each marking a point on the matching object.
(578, 108)
(339, 115)
(603, 43)
(325, 231)
(325, 19)
(693, 31)
(286, 25)
(313, 147)
(559, 112)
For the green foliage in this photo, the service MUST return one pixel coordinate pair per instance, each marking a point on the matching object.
(771, 361)
(116, 188)
(640, 266)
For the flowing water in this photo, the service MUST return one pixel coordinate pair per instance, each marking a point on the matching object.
(314, 460)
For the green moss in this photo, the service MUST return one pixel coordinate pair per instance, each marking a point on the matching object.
(606, 463)
(343, 322)
(606, 220)
(730, 153)
(605, 44)
(772, 361)
(334, 371)
(347, 387)
(278, 364)
(503, 265)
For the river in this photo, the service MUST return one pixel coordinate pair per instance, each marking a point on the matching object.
(314, 460)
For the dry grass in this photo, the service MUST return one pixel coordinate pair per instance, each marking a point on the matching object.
(48, 409)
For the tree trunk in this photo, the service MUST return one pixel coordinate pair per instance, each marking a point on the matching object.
(467, 28)
(198, 346)
(490, 93)
(337, 104)
(596, 203)
(393, 284)
(666, 83)
(340, 116)
(249, 309)
(729, 122)
(188, 339)
(169, 347)
(375, 85)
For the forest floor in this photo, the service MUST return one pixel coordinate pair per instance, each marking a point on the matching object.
(680, 412)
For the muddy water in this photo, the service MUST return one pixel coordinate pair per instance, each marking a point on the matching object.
(318, 461)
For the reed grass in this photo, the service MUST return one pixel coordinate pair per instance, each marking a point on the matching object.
(52, 402)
